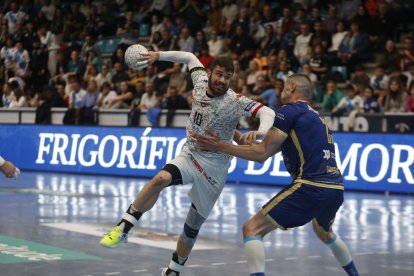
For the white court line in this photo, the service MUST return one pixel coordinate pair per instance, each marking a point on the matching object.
(194, 265)
(291, 258)
(112, 273)
(140, 270)
(97, 231)
(218, 263)
(314, 257)
(241, 262)
(269, 260)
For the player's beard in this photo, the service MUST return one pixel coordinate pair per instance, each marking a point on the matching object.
(217, 88)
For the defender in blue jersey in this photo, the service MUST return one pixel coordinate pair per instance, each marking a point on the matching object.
(316, 192)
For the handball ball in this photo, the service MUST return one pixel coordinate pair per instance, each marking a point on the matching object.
(133, 55)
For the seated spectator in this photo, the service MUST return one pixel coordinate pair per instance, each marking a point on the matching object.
(252, 74)
(106, 96)
(306, 70)
(238, 74)
(91, 73)
(331, 97)
(391, 57)
(18, 97)
(87, 112)
(269, 43)
(320, 36)
(410, 98)
(360, 79)
(205, 58)
(396, 97)
(186, 41)
(119, 75)
(6, 55)
(371, 104)
(355, 48)
(318, 62)
(302, 43)
(168, 42)
(409, 74)
(104, 76)
(7, 95)
(351, 104)
(261, 60)
(261, 84)
(336, 41)
(124, 98)
(407, 56)
(199, 43)
(215, 44)
(48, 98)
(76, 64)
(269, 96)
(379, 82)
(75, 103)
(215, 19)
(119, 56)
(284, 71)
(151, 102)
(134, 109)
(172, 102)
(21, 61)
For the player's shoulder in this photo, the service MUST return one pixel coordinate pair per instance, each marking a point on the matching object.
(296, 108)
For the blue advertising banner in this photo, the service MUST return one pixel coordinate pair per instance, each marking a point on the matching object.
(372, 162)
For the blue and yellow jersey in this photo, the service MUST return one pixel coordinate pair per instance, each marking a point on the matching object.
(309, 150)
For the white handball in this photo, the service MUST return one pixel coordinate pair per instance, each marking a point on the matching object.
(133, 55)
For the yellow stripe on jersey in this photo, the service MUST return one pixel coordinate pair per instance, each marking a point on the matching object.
(319, 184)
(300, 151)
(284, 134)
(280, 197)
(275, 223)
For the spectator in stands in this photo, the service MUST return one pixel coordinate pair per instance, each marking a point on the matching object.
(260, 85)
(88, 45)
(364, 20)
(256, 28)
(350, 102)
(286, 22)
(76, 95)
(384, 26)
(241, 19)
(14, 16)
(229, 11)
(58, 23)
(186, 41)
(360, 79)
(269, 16)
(124, 98)
(307, 71)
(269, 43)
(320, 36)
(391, 57)
(156, 26)
(205, 58)
(87, 112)
(215, 18)
(48, 41)
(267, 94)
(119, 75)
(134, 109)
(252, 74)
(103, 76)
(21, 61)
(316, 14)
(199, 43)
(168, 42)
(409, 74)
(172, 102)
(76, 64)
(215, 44)
(127, 24)
(18, 97)
(318, 62)
(396, 97)
(397, 74)
(331, 97)
(106, 22)
(410, 98)
(39, 73)
(169, 26)
(407, 56)
(348, 9)
(7, 95)
(261, 60)
(48, 98)
(193, 15)
(329, 24)
(74, 23)
(371, 104)
(379, 83)
(29, 36)
(119, 57)
(92, 22)
(61, 67)
(149, 98)
(238, 73)
(6, 55)
(48, 8)
(355, 48)
(284, 71)
(106, 96)
(242, 45)
(302, 43)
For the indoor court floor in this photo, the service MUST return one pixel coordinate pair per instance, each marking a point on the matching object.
(51, 224)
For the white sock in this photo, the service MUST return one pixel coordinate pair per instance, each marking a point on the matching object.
(255, 254)
(340, 250)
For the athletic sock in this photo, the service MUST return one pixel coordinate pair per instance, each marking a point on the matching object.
(129, 219)
(255, 255)
(176, 265)
(342, 255)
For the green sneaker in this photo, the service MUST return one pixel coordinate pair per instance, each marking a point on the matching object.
(113, 238)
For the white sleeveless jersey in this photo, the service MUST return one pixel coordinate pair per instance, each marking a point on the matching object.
(219, 114)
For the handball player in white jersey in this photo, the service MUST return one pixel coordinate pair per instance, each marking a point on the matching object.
(216, 109)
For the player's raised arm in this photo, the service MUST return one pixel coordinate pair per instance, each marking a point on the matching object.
(175, 56)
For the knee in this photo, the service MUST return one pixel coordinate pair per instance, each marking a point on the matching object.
(248, 229)
(321, 233)
(161, 180)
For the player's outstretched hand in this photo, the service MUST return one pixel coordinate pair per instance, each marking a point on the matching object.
(251, 137)
(207, 142)
(148, 59)
(9, 170)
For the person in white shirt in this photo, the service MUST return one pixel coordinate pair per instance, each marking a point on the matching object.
(215, 45)
(14, 16)
(106, 96)
(302, 42)
(215, 108)
(21, 61)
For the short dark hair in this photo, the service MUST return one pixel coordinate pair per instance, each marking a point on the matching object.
(224, 62)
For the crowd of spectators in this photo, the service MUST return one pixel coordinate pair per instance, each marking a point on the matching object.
(50, 56)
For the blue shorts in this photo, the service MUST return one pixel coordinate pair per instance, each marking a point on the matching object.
(299, 203)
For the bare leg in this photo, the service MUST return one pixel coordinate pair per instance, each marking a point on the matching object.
(337, 246)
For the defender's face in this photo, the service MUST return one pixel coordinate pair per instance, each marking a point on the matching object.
(287, 92)
(219, 81)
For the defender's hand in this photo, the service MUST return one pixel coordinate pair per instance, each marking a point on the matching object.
(251, 137)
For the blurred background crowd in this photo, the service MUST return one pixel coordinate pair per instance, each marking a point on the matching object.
(358, 54)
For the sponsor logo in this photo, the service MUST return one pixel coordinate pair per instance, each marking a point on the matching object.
(249, 106)
(201, 170)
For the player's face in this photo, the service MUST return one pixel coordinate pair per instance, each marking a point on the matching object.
(219, 81)
(287, 92)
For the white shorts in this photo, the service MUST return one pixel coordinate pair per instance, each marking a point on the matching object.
(207, 175)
